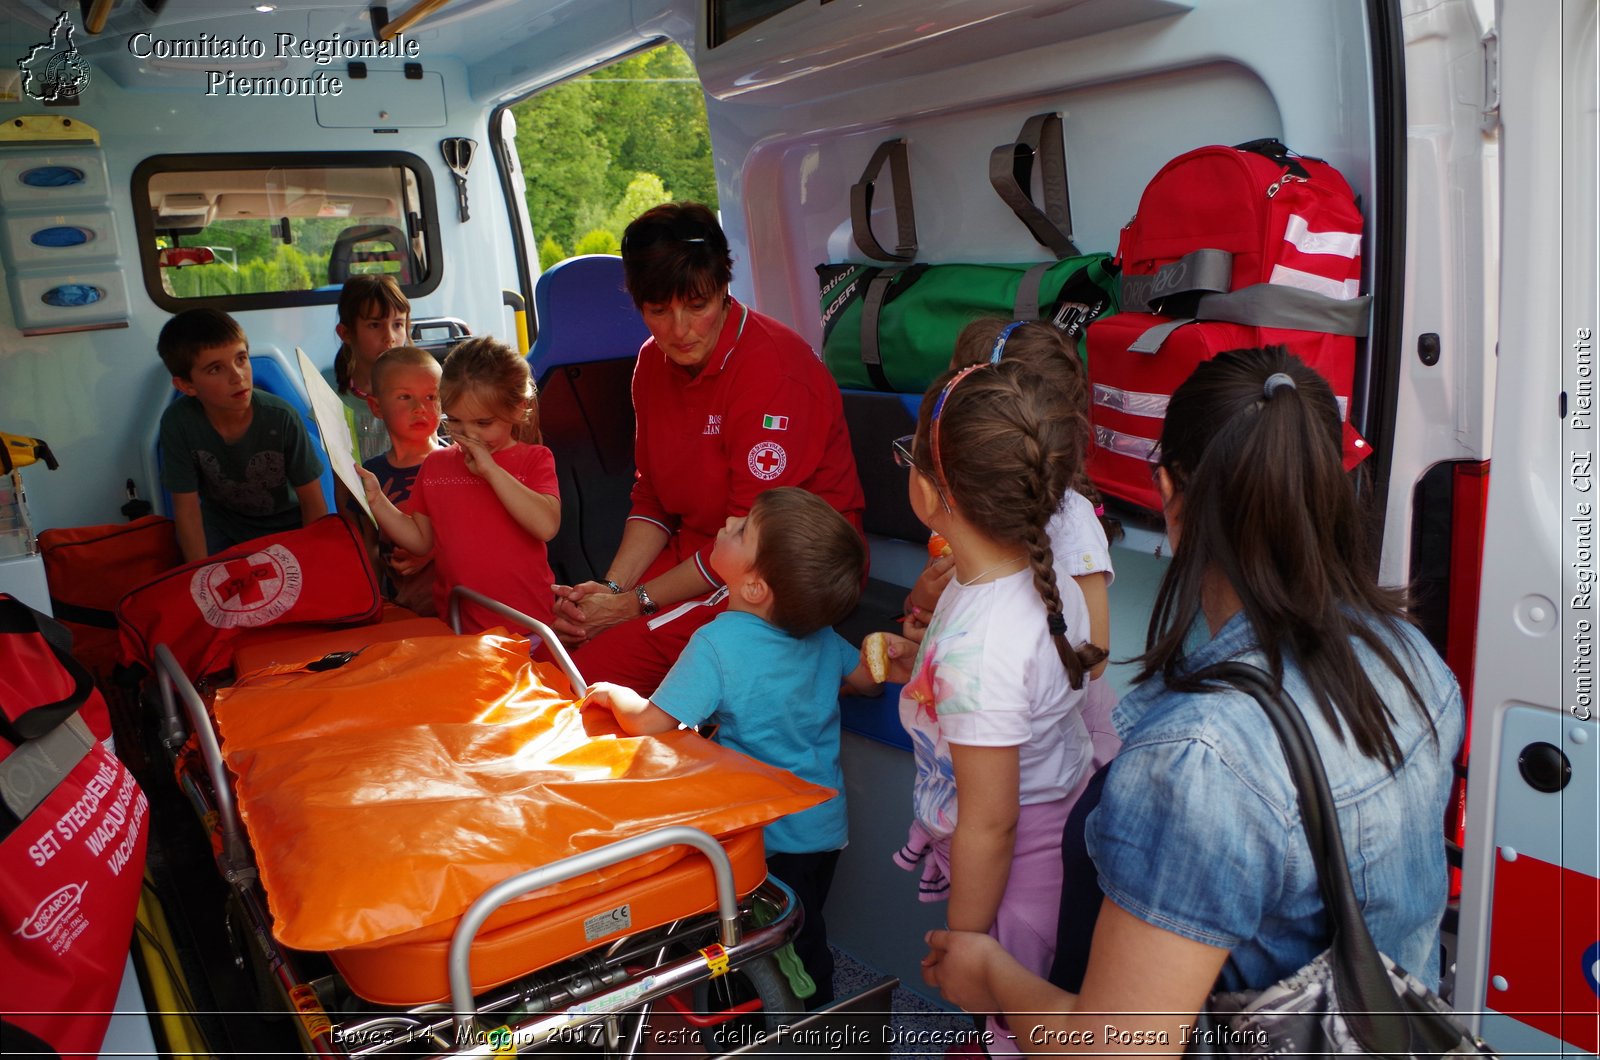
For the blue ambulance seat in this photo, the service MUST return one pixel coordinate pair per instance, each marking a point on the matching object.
(270, 372)
(584, 314)
(589, 334)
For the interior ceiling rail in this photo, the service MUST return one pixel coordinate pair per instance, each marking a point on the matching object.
(95, 13)
(389, 30)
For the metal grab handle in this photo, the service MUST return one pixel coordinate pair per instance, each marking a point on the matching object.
(173, 680)
(461, 1000)
(506, 611)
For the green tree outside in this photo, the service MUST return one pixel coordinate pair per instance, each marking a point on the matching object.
(594, 150)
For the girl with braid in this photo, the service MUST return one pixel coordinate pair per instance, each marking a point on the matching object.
(993, 698)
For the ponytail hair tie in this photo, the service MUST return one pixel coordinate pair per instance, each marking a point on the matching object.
(1057, 624)
(1275, 382)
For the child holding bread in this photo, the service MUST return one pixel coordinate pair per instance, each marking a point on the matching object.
(768, 672)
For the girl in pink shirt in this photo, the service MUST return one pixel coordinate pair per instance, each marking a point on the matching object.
(486, 505)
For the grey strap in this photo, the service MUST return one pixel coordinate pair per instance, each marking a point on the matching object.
(1011, 174)
(894, 153)
(871, 310)
(1199, 271)
(1271, 305)
(1028, 288)
(32, 771)
(1151, 340)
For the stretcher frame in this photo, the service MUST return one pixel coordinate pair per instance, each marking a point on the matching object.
(599, 998)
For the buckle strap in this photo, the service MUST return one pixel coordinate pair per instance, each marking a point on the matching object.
(894, 153)
(1011, 176)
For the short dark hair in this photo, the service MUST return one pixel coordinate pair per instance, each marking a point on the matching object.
(675, 250)
(188, 333)
(811, 558)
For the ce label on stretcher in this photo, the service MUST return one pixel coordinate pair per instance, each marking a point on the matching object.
(608, 923)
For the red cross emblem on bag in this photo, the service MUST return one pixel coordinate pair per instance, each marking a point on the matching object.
(249, 590)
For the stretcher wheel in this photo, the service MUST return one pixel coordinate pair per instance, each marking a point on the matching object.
(758, 980)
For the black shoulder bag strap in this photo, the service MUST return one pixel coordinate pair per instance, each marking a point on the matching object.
(1371, 1008)
(28, 721)
(894, 153)
(1011, 174)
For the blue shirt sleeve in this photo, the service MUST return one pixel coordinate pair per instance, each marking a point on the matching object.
(1182, 842)
(692, 689)
(849, 656)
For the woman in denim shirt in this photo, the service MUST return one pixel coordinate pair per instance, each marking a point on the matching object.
(1198, 843)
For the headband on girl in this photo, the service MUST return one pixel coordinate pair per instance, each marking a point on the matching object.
(1000, 340)
(938, 409)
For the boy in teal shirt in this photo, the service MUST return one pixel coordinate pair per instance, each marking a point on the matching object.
(768, 672)
(238, 462)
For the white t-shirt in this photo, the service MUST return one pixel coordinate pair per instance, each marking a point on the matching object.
(1078, 540)
(987, 675)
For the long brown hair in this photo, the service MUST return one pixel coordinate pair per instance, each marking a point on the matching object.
(1052, 354)
(365, 296)
(1267, 505)
(1009, 444)
(492, 371)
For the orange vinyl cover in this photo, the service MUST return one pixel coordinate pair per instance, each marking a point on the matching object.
(386, 795)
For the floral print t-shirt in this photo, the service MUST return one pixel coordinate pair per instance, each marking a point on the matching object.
(988, 675)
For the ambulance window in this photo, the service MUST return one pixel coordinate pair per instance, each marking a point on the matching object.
(236, 232)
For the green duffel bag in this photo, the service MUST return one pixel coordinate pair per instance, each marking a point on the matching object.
(893, 327)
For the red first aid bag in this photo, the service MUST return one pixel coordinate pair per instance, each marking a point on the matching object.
(72, 844)
(1232, 247)
(318, 574)
(89, 568)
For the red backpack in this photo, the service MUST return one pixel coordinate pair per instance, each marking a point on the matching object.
(72, 842)
(1232, 247)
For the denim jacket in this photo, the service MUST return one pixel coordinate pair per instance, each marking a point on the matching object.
(1199, 830)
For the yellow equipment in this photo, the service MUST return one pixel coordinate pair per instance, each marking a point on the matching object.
(18, 450)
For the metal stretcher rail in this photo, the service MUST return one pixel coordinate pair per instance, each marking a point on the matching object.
(576, 865)
(547, 635)
(604, 998)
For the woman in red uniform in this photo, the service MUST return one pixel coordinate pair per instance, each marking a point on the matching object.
(727, 403)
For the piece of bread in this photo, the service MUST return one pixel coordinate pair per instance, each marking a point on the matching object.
(876, 650)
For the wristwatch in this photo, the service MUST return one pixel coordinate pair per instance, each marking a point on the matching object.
(647, 606)
(613, 586)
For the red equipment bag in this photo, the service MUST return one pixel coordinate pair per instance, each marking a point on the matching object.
(1232, 247)
(89, 568)
(318, 574)
(72, 843)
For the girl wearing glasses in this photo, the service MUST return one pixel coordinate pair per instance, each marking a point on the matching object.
(993, 699)
(486, 505)
(727, 403)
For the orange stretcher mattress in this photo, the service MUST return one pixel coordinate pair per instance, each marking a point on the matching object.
(384, 796)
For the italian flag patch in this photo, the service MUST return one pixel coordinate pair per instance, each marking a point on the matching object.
(775, 423)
